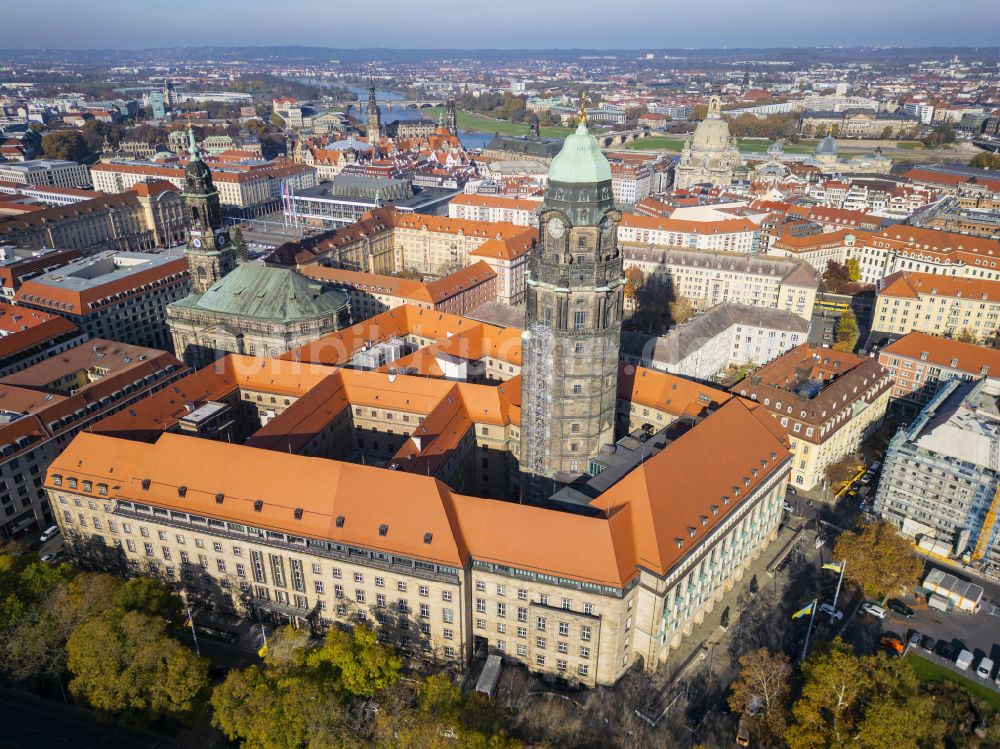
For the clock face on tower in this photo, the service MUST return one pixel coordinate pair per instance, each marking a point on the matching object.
(556, 228)
(221, 239)
(196, 242)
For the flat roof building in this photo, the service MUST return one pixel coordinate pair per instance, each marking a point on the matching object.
(940, 477)
(117, 295)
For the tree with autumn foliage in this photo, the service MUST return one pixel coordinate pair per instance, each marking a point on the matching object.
(766, 676)
(846, 333)
(879, 559)
(869, 701)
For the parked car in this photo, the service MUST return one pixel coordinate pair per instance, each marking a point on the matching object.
(963, 661)
(892, 643)
(866, 479)
(49, 532)
(873, 609)
(928, 644)
(743, 733)
(915, 640)
(49, 558)
(873, 468)
(985, 668)
(827, 610)
(787, 507)
(946, 650)
(900, 608)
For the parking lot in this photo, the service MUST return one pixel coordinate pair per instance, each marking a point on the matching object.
(978, 633)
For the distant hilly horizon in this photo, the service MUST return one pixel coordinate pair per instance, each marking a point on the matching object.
(314, 54)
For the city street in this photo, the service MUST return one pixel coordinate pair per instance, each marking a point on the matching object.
(30, 722)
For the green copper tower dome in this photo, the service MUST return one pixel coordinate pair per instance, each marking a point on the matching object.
(580, 160)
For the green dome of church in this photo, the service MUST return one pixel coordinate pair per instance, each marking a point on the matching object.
(580, 160)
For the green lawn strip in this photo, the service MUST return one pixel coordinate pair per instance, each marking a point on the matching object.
(928, 671)
(656, 143)
(481, 124)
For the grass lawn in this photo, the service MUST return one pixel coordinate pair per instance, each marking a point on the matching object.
(746, 145)
(480, 124)
(656, 143)
(927, 671)
(910, 145)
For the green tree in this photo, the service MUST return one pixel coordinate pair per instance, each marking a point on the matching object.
(240, 245)
(65, 144)
(150, 596)
(985, 160)
(846, 333)
(871, 702)
(767, 676)
(277, 710)
(879, 559)
(966, 335)
(853, 268)
(360, 666)
(126, 663)
(940, 135)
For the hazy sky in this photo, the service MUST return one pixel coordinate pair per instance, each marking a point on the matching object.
(479, 24)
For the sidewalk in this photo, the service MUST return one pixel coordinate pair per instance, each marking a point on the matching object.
(708, 637)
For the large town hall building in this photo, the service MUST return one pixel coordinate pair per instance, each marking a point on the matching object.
(404, 473)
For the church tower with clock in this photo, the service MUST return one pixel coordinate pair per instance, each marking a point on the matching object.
(574, 301)
(209, 252)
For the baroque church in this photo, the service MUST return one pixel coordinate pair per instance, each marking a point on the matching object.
(247, 308)
(711, 157)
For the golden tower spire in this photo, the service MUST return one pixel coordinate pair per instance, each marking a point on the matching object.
(583, 108)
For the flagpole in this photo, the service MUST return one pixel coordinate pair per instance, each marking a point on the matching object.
(194, 635)
(812, 616)
(836, 595)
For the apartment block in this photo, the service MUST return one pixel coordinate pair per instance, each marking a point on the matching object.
(495, 208)
(457, 293)
(46, 172)
(711, 278)
(118, 295)
(149, 216)
(28, 337)
(920, 363)
(727, 334)
(827, 402)
(940, 305)
(46, 405)
(940, 483)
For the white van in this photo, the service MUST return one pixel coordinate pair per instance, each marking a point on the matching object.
(49, 533)
(985, 668)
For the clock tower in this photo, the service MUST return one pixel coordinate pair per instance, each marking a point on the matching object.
(209, 252)
(574, 313)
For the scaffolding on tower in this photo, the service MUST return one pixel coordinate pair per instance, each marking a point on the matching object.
(536, 409)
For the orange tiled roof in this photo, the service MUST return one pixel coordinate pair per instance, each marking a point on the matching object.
(909, 285)
(943, 351)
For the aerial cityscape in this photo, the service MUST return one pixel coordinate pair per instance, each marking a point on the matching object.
(579, 383)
